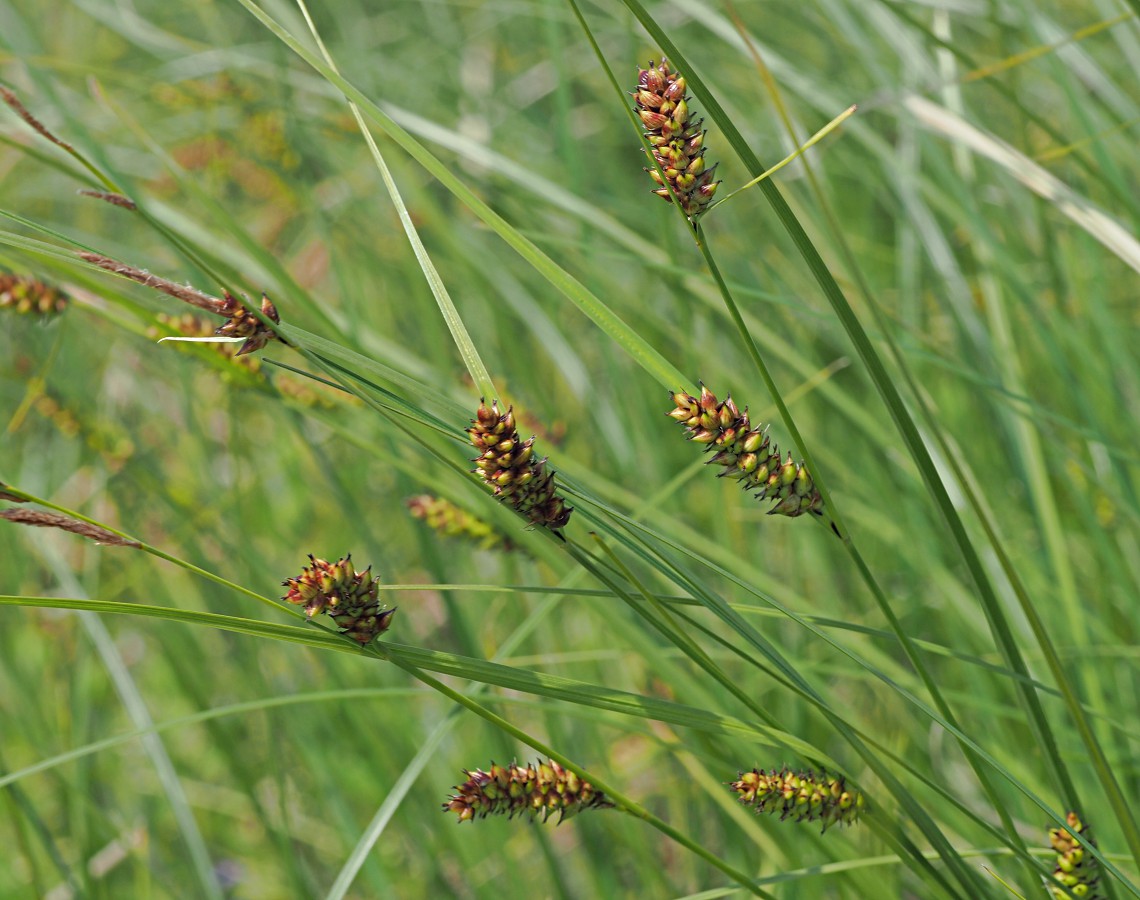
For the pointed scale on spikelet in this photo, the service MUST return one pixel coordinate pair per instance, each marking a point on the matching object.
(746, 453)
(676, 138)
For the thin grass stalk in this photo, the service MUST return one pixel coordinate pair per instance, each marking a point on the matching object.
(622, 802)
(1103, 768)
(995, 615)
(629, 340)
(666, 627)
(802, 688)
(713, 602)
(459, 334)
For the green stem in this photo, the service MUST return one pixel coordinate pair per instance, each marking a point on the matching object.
(622, 802)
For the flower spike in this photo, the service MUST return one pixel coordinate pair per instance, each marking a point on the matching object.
(676, 138)
(507, 464)
(1076, 869)
(352, 598)
(746, 453)
(539, 790)
(30, 296)
(803, 796)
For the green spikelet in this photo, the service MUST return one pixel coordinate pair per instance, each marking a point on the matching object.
(537, 791)
(507, 464)
(746, 453)
(802, 796)
(352, 598)
(449, 520)
(1076, 868)
(676, 138)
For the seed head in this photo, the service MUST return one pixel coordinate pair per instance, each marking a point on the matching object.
(30, 296)
(539, 790)
(676, 138)
(746, 453)
(350, 597)
(803, 796)
(1076, 869)
(506, 462)
(450, 520)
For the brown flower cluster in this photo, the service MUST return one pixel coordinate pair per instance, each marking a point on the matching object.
(30, 296)
(676, 138)
(802, 796)
(352, 598)
(507, 464)
(746, 453)
(539, 790)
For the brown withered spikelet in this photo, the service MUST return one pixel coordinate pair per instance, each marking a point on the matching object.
(507, 464)
(802, 796)
(352, 598)
(676, 138)
(30, 296)
(42, 519)
(538, 791)
(746, 453)
(1076, 868)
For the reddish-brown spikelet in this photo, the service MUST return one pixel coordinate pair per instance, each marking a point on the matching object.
(539, 790)
(746, 453)
(676, 138)
(352, 598)
(507, 464)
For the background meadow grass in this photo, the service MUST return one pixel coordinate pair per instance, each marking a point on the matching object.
(162, 756)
